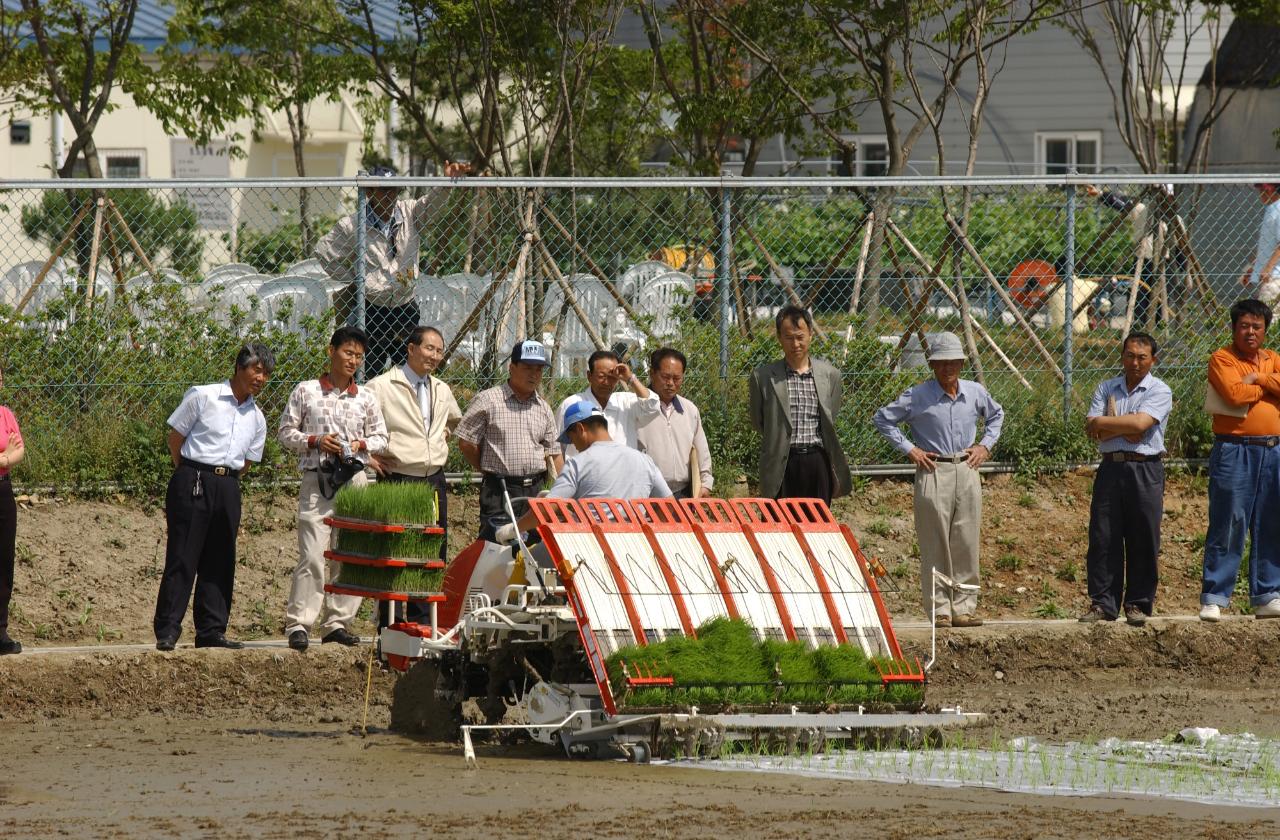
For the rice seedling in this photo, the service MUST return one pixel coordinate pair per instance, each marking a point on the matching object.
(405, 545)
(412, 503)
(405, 579)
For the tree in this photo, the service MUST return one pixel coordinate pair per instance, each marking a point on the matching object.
(227, 60)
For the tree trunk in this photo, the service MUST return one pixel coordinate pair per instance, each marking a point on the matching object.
(298, 137)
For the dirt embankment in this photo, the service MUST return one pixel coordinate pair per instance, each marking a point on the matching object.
(88, 571)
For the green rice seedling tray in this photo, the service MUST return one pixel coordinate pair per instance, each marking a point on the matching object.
(391, 579)
(388, 503)
(383, 562)
(373, 526)
(403, 545)
(365, 592)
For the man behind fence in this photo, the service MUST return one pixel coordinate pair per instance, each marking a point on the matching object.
(214, 434)
(794, 403)
(622, 409)
(391, 229)
(333, 425)
(1127, 417)
(1244, 466)
(943, 414)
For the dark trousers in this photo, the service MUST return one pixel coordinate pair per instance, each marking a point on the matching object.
(201, 549)
(493, 513)
(1124, 535)
(387, 328)
(417, 611)
(8, 537)
(807, 476)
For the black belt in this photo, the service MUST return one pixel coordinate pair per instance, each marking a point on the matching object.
(517, 480)
(1250, 440)
(807, 448)
(1129, 456)
(954, 458)
(216, 469)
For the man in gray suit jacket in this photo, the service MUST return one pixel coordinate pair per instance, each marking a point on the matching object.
(793, 405)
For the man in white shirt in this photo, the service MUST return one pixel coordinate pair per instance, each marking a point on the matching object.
(213, 436)
(603, 468)
(621, 408)
(421, 413)
(1262, 274)
(669, 435)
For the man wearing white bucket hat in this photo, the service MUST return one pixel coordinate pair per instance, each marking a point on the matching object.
(943, 415)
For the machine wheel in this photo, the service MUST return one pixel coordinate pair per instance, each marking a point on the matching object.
(425, 703)
(640, 753)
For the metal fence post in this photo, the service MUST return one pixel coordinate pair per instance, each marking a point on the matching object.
(1069, 304)
(724, 279)
(362, 207)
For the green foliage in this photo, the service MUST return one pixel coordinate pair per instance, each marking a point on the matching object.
(1068, 572)
(408, 545)
(272, 251)
(167, 232)
(408, 580)
(395, 503)
(1009, 562)
(726, 666)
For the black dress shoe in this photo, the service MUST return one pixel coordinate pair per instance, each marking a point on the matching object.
(8, 646)
(342, 636)
(166, 644)
(298, 640)
(218, 641)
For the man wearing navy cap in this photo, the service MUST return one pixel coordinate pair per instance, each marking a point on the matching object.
(602, 469)
(508, 433)
(392, 228)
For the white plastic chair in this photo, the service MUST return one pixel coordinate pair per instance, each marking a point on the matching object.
(661, 297)
(240, 292)
(634, 279)
(228, 271)
(307, 268)
(286, 301)
(574, 343)
(438, 305)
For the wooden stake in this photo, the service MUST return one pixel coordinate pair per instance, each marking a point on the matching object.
(137, 249)
(571, 298)
(1004, 296)
(93, 251)
(893, 228)
(861, 272)
(773, 265)
(53, 257)
(835, 262)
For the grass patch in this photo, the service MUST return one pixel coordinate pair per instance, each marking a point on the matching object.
(1049, 609)
(1068, 572)
(1027, 500)
(409, 503)
(391, 579)
(1008, 562)
(726, 667)
(879, 527)
(403, 546)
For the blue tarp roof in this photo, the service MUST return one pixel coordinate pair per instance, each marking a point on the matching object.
(151, 21)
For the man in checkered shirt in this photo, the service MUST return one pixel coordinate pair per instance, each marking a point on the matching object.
(509, 434)
(326, 418)
(794, 403)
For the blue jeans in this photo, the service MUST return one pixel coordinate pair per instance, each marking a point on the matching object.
(1244, 497)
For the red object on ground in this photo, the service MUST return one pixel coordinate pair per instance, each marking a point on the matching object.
(1030, 281)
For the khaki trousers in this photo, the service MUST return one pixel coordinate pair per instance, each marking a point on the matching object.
(307, 598)
(948, 509)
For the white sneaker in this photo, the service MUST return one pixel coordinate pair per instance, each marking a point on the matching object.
(1271, 609)
(1213, 612)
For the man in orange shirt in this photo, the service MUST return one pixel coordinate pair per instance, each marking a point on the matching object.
(1244, 468)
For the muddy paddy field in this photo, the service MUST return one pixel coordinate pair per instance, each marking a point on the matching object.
(101, 736)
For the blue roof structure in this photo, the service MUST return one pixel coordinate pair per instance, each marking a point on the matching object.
(151, 21)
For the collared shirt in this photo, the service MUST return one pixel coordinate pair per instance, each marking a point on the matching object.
(391, 249)
(421, 386)
(316, 408)
(609, 470)
(219, 429)
(940, 423)
(668, 436)
(1151, 396)
(515, 436)
(1227, 370)
(802, 395)
(621, 413)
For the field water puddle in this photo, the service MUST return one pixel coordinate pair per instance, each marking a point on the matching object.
(1207, 768)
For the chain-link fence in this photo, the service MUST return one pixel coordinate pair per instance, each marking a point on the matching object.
(118, 298)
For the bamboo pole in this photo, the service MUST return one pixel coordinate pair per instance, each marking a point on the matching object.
(792, 295)
(571, 298)
(892, 227)
(845, 248)
(861, 271)
(609, 285)
(1004, 296)
(133, 243)
(53, 257)
(93, 251)
(473, 318)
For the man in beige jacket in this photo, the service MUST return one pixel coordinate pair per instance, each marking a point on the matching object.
(421, 413)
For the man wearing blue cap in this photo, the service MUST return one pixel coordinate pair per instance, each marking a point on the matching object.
(391, 236)
(508, 433)
(602, 469)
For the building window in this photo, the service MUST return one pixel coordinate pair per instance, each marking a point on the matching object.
(871, 158)
(1060, 153)
(123, 164)
(20, 133)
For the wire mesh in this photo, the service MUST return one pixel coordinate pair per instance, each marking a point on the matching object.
(119, 298)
